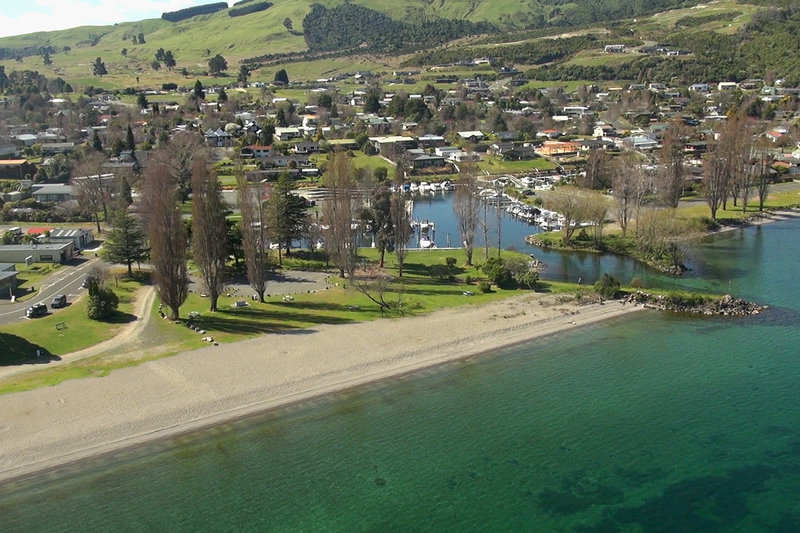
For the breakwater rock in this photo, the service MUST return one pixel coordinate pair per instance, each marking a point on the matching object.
(725, 305)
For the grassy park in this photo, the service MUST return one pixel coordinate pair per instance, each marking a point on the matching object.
(70, 330)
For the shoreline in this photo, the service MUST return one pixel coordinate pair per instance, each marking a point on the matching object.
(86, 418)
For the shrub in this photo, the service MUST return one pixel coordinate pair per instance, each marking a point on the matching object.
(637, 283)
(498, 273)
(607, 286)
(450, 261)
(102, 302)
(468, 279)
(441, 272)
(484, 287)
(169, 86)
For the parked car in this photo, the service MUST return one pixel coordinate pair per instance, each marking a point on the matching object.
(59, 301)
(36, 310)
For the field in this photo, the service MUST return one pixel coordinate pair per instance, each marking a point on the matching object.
(494, 165)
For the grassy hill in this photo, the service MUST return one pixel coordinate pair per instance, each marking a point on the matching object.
(194, 41)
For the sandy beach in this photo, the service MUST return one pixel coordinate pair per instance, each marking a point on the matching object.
(76, 419)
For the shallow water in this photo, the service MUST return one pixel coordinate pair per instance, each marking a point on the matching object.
(650, 422)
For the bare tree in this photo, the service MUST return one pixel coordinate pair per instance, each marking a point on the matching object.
(664, 238)
(743, 155)
(466, 207)
(763, 164)
(255, 233)
(629, 186)
(94, 190)
(569, 202)
(182, 148)
(209, 231)
(338, 214)
(671, 176)
(595, 175)
(716, 177)
(596, 212)
(167, 234)
(401, 221)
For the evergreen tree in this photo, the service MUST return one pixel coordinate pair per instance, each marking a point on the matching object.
(102, 302)
(222, 96)
(217, 65)
(169, 60)
(282, 77)
(244, 73)
(99, 68)
(130, 140)
(96, 144)
(126, 243)
(198, 92)
(286, 213)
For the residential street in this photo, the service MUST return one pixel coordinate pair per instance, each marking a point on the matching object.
(67, 280)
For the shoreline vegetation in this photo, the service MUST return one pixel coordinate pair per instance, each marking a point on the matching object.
(612, 243)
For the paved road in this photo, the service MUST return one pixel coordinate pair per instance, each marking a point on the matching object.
(66, 280)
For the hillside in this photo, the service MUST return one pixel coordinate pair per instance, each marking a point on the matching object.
(388, 34)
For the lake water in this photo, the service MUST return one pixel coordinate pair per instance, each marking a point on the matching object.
(648, 423)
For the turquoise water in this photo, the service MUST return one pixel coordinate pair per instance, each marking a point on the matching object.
(647, 423)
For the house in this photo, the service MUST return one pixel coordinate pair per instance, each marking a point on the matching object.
(430, 140)
(80, 238)
(727, 86)
(471, 136)
(777, 134)
(59, 252)
(461, 157)
(604, 130)
(520, 152)
(306, 147)
(8, 279)
(614, 48)
(343, 144)
(445, 151)
(549, 134)
(52, 192)
(16, 168)
(641, 142)
(513, 151)
(218, 138)
(256, 151)
(427, 161)
(559, 148)
(287, 134)
(392, 143)
(58, 148)
(575, 110)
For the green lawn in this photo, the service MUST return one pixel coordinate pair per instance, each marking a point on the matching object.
(495, 165)
(78, 332)
(416, 292)
(30, 278)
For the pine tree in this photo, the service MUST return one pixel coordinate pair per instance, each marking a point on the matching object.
(126, 243)
(131, 141)
(287, 214)
(96, 144)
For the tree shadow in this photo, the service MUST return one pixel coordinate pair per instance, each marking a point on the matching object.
(120, 318)
(19, 351)
(253, 321)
